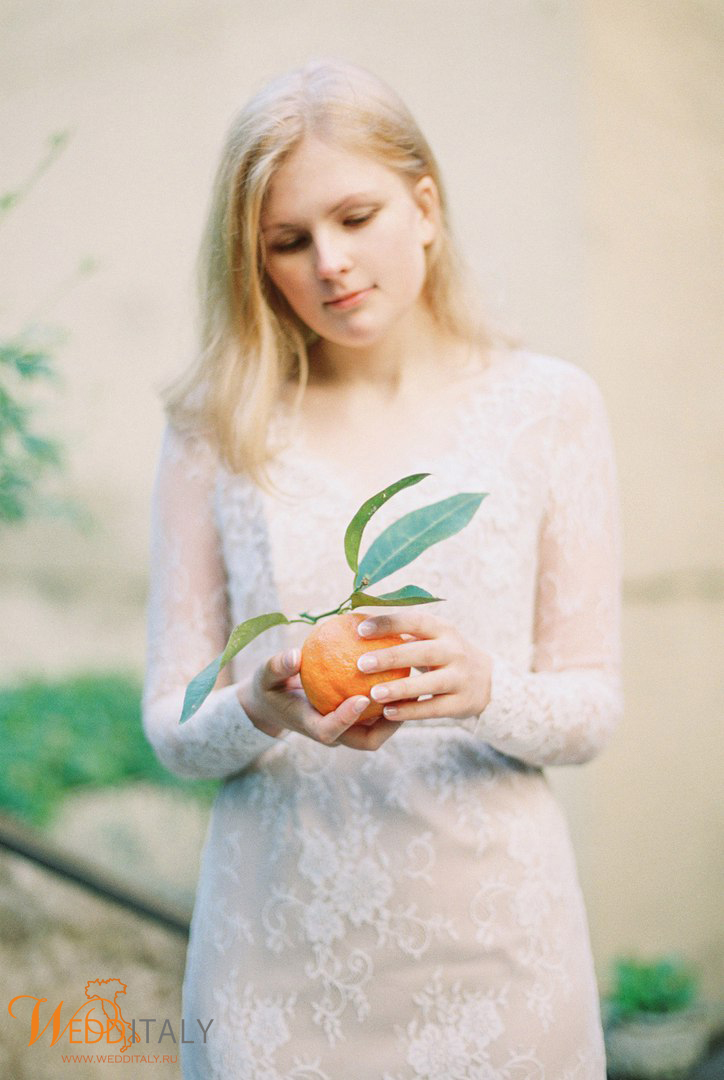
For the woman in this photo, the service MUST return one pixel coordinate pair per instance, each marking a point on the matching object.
(412, 911)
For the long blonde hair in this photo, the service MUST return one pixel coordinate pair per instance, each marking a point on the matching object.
(251, 343)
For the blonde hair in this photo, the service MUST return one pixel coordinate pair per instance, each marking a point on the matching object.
(251, 343)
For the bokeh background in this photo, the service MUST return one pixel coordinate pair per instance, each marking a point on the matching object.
(579, 142)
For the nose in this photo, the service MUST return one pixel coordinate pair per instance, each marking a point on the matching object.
(331, 256)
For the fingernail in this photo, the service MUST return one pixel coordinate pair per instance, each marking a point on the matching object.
(365, 629)
(366, 662)
(361, 704)
(390, 710)
(379, 693)
(291, 659)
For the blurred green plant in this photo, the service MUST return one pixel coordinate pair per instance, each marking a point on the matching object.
(10, 199)
(663, 985)
(26, 457)
(80, 732)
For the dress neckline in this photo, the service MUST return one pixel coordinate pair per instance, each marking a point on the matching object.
(297, 458)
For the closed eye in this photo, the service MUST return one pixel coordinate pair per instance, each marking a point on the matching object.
(360, 219)
(297, 243)
(291, 245)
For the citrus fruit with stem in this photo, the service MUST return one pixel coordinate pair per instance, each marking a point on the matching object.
(329, 671)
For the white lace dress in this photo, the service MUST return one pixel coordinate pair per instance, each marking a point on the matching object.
(413, 912)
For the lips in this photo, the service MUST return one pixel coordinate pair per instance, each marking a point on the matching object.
(349, 299)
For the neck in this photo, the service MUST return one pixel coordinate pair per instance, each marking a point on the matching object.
(410, 353)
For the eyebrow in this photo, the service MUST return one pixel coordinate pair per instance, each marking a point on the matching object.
(359, 196)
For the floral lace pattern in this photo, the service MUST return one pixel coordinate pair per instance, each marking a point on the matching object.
(412, 913)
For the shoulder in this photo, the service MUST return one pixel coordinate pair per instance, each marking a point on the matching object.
(558, 386)
(189, 451)
(552, 373)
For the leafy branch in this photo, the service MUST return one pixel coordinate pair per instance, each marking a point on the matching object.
(27, 357)
(24, 454)
(10, 199)
(397, 546)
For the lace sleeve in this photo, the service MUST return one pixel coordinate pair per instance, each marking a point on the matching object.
(563, 710)
(189, 622)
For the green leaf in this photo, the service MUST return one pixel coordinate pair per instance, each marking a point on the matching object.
(45, 451)
(10, 351)
(13, 499)
(407, 538)
(202, 684)
(353, 536)
(13, 415)
(410, 594)
(245, 632)
(30, 364)
(199, 689)
(58, 139)
(88, 265)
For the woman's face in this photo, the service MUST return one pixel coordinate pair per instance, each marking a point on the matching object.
(344, 239)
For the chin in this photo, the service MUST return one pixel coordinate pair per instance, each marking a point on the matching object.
(354, 337)
(362, 341)
(366, 333)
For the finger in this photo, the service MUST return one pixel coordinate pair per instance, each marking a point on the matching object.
(279, 668)
(409, 621)
(368, 738)
(443, 705)
(435, 683)
(327, 729)
(418, 654)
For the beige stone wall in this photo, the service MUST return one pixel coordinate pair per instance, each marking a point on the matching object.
(654, 209)
(579, 149)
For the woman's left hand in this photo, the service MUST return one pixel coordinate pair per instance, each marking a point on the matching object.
(456, 673)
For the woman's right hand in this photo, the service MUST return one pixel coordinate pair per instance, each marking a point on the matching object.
(274, 701)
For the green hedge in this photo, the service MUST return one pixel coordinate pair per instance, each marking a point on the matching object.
(84, 731)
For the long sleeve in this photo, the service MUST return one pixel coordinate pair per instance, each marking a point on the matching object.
(189, 622)
(563, 709)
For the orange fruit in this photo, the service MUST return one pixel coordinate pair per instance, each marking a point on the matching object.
(329, 671)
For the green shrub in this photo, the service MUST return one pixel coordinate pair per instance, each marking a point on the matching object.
(84, 731)
(659, 986)
(27, 356)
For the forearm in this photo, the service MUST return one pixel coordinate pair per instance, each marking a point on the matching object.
(550, 717)
(218, 741)
(189, 621)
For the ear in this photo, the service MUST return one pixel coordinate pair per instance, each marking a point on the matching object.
(427, 197)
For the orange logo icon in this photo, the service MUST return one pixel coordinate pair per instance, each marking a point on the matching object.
(86, 1025)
